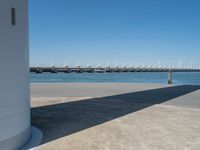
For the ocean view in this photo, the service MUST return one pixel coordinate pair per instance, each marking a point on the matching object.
(191, 78)
(100, 75)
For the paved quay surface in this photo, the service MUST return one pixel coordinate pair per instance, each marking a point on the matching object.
(116, 116)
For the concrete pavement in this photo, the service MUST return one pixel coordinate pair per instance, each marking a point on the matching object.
(116, 116)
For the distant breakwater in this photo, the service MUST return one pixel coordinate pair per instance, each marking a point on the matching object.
(66, 69)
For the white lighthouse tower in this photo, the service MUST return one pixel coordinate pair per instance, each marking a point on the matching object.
(14, 74)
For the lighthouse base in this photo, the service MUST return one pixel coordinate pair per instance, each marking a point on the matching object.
(35, 139)
(17, 140)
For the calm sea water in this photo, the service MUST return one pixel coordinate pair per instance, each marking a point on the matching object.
(192, 78)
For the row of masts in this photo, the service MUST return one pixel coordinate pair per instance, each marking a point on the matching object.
(109, 69)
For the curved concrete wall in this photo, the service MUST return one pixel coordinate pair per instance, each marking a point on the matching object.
(14, 75)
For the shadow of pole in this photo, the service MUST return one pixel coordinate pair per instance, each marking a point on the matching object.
(63, 119)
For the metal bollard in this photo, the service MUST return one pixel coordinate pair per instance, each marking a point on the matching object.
(170, 77)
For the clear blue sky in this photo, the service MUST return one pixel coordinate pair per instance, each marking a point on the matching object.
(114, 31)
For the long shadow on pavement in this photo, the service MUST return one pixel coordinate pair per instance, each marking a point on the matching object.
(63, 119)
